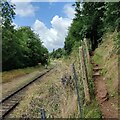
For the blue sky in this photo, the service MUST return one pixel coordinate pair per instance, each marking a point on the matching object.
(48, 19)
(45, 11)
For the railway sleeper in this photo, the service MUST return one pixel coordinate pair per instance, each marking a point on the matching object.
(6, 111)
(8, 106)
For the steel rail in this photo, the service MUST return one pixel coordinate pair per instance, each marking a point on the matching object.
(12, 95)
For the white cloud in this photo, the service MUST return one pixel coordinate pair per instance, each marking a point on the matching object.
(24, 9)
(54, 37)
(69, 11)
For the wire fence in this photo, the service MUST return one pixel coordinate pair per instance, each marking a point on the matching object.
(77, 91)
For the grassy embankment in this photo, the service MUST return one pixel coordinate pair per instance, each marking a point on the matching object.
(8, 76)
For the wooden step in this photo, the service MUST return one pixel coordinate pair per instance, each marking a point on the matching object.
(92, 62)
(97, 68)
(96, 74)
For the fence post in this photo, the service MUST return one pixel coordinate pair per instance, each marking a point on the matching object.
(43, 116)
(87, 51)
(84, 75)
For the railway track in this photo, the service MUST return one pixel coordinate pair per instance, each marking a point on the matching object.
(9, 103)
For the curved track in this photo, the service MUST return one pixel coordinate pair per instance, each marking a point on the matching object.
(11, 101)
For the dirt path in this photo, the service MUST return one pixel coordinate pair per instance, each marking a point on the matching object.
(106, 105)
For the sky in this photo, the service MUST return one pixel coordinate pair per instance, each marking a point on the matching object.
(50, 20)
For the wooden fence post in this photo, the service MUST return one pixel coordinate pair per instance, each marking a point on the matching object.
(84, 75)
(87, 51)
(87, 57)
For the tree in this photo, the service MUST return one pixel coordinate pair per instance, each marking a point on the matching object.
(9, 43)
(93, 13)
(32, 50)
(57, 53)
(87, 23)
(112, 16)
(21, 47)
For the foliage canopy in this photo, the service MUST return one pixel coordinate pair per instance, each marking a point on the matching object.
(20, 47)
(91, 21)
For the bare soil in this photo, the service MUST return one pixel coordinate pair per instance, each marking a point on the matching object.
(106, 103)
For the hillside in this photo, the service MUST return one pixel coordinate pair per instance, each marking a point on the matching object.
(106, 57)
